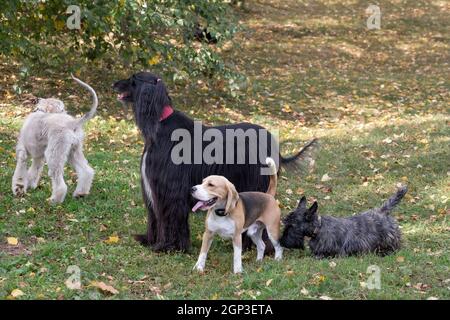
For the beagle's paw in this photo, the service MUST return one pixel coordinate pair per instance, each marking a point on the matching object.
(200, 267)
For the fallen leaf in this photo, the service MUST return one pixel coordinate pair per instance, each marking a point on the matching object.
(112, 239)
(268, 282)
(332, 264)
(325, 298)
(318, 279)
(300, 191)
(154, 60)
(12, 241)
(287, 108)
(17, 293)
(400, 259)
(325, 178)
(215, 296)
(156, 290)
(304, 292)
(239, 293)
(290, 273)
(421, 286)
(104, 287)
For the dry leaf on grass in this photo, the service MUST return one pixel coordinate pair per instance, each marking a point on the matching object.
(105, 288)
(112, 239)
(17, 293)
(12, 241)
(304, 292)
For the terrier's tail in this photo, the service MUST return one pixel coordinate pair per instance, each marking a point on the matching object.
(93, 110)
(394, 200)
(273, 176)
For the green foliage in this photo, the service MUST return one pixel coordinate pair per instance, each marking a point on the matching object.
(134, 32)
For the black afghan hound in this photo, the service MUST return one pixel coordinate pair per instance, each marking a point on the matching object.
(165, 184)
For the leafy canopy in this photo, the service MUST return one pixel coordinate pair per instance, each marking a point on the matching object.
(132, 32)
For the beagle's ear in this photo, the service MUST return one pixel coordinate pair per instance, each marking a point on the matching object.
(232, 197)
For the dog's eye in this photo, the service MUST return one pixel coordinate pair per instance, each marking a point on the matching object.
(210, 185)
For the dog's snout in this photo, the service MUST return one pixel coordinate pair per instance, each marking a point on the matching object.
(193, 189)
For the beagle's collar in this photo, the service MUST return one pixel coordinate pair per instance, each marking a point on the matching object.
(167, 112)
(220, 212)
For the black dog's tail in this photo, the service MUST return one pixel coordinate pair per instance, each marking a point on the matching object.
(394, 200)
(301, 155)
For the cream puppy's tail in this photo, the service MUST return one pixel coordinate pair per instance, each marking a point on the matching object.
(93, 110)
(273, 177)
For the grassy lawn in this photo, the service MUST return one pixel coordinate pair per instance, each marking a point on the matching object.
(377, 99)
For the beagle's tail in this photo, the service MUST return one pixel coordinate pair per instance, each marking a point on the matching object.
(273, 177)
(93, 110)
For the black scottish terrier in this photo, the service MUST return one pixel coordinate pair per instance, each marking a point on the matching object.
(371, 231)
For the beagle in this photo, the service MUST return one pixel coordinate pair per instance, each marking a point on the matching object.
(231, 213)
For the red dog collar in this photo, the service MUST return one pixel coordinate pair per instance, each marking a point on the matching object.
(167, 111)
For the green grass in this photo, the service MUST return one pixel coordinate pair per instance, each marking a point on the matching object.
(378, 100)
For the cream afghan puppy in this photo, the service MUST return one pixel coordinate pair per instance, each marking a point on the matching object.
(50, 105)
(231, 213)
(50, 135)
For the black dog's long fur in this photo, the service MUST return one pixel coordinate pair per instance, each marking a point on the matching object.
(168, 210)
